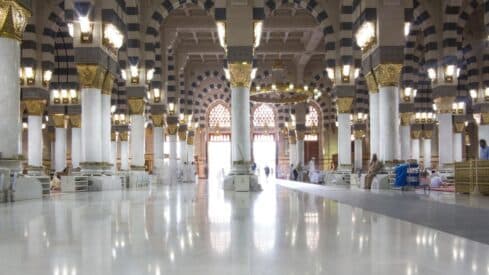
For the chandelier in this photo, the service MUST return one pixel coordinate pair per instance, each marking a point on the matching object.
(281, 91)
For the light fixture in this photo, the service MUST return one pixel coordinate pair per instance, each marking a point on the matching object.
(134, 71)
(221, 33)
(474, 94)
(181, 118)
(227, 74)
(415, 92)
(21, 76)
(113, 38)
(357, 73)
(73, 96)
(71, 29)
(458, 108)
(408, 92)
(85, 29)
(156, 95)
(29, 75)
(449, 73)
(43, 126)
(486, 93)
(345, 72)
(64, 96)
(407, 28)
(258, 30)
(435, 108)
(171, 108)
(330, 73)
(150, 75)
(124, 75)
(113, 108)
(365, 36)
(56, 97)
(25, 125)
(432, 74)
(253, 73)
(46, 77)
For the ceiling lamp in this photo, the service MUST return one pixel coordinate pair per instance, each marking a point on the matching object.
(365, 35)
(258, 29)
(280, 91)
(221, 33)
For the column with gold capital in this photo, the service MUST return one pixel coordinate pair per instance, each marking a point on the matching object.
(76, 137)
(405, 135)
(137, 140)
(445, 130)
(171, 130)
(182, 144)
(292, 148)
(300, 132)
(124, 138)
(60, 142)
(158, 136)
(344, 105)
(240, 74)
(106, 118)
(14, 18)
(35, 110)
(458, 140)
(427, 154)
(91, 78)
(416, 132)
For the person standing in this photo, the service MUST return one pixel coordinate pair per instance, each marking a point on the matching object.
(484, 150)
(373, 168)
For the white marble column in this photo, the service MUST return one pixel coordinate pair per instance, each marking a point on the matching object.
(300, 151)
(34, 140)
(445, 137)
(240, 132)
(374, 122)
(405, 142)
(388, 122)
(415, 147)
(344, 140)
(182, 148)
(483, 133)
(137, 141)
(172, 140)
(158, 143)
(124, 151)
(292, 150)
(427, 152)
(358, 154)
(75, 147)
(458, 145)
(92, 125)
(113, 151)
(10, 119)
(106, 129)
(60, 150)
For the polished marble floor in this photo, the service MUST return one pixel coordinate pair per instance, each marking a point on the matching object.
(199, 229)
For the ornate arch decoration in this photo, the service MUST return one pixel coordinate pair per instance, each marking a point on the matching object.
(264, 116)
(218, 116)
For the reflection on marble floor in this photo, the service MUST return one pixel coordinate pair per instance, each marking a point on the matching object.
(199, 229)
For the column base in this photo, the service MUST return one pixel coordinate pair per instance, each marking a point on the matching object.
(96, 168)
(241, 183)
(138, 177)
(13, 164)
(35, 171)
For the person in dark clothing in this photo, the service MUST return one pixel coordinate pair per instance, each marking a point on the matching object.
(296, 173)
(267, 171)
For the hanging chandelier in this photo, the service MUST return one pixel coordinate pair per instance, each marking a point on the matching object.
(281, 91)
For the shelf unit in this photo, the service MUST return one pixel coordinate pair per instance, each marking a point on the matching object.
(74, 184)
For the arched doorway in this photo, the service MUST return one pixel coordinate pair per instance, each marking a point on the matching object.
(264, 138)
(219, 141)
(311, 139)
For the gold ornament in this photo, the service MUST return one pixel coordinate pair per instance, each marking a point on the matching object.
(444, 104)
(292, 139)
(428, 134)
(136, 106)
(484, 118)
(388, 75)
(34, 107)
(416, 134)
(108, 84)
(190, 140)
(59, 120)
(75, 121)
(172, 129)
(406, 119)
(344, 104)
(13, 19)
(91, 75)
(157, 120)
(373, 88)
(113, 136)
(240, 74)
(182, 135)
(358, 134)
(124, 136)
(300, 135)
(459, 127)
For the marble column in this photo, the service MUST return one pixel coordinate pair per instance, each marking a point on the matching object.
(158, 138)
(76, 145)
(458, 141)
(358, 153)
(60, 143)
(172, 130)
(405, 136)
(415, 145)
(292, 148)
(427, 148)
(445, 139)
(113, 150)
(374, 122)
(35, 110)
(106, 127)
(182, 146)
(240, 132)
(190, 174)
(91, 79)
(137, 140)
(13, 23)
(124, 137)
(300, 147)
(344, 105)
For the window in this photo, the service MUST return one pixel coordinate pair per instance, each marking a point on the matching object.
(264, 116)
(220, 116)
(312, 118)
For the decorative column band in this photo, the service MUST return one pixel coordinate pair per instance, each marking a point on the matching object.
(34, 107)
(240, 74)
(444, 104)
(484, 118)
(75, 121)
(91, 75)
(124, 136)
(136, 106)
(172, 125)
(300, 135)
(13, 19)
(292, 137)
(108, 84)
(190, 139)
(59, 120)
(406, 118)
(428, 134)
(459, 127)
(358, 134)
(182, 132)
(373, 88)
(113, 136)
(344, 104)
(416, 134)
(157, 120)
(388, 75)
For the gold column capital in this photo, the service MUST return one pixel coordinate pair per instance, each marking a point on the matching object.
(373, 88)
(124, 136)
(406, 118)
(136, 105)
(484, 118)
(444, 104)
(388, 75)
(34, 107)
(59, 120)
(157, 120)
(300, 135)
(182, 133)
(428, 134)
(108, 84)
(75, 121)
(416, 134)
(113, 136)
(292, 137)
(190, 140)
(91, 75)
(172, 129)
(13, 19)
(358, 134)
(240, 74)
(459, 127)
(344, 104)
